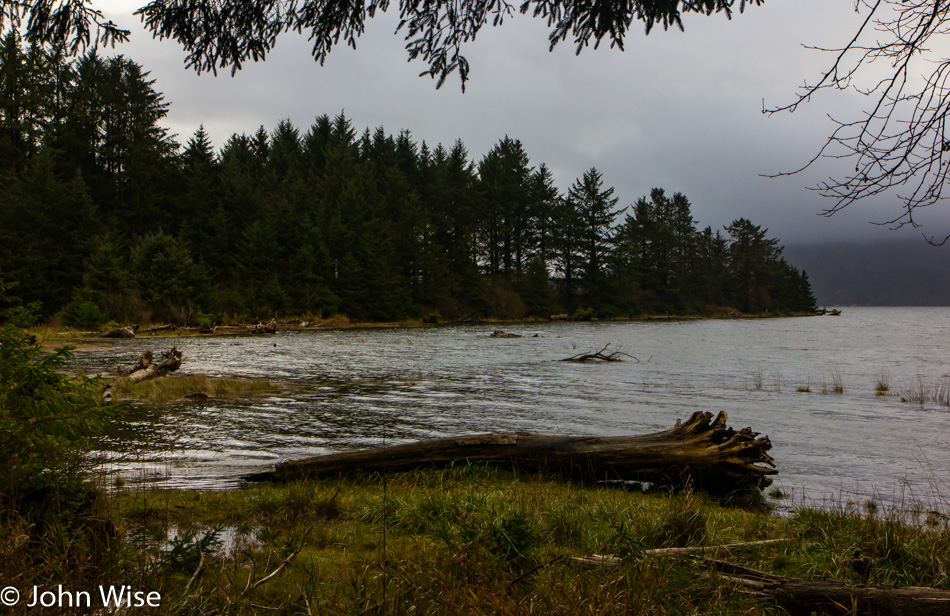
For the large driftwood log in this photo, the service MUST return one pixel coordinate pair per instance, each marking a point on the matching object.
(148, 368)
(804, 597)
(703, 452)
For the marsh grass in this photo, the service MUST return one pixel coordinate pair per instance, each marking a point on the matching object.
(462, 540)
(920, 393)
(883, 385)
(757, 381)
(836, 384)
(177, 387)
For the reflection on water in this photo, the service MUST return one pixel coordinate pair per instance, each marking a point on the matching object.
(354, 388)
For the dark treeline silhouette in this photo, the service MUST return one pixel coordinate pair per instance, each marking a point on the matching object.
(103, 216)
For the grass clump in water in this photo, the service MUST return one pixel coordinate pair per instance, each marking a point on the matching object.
(176, 387)
(921, 394)
(883, 385)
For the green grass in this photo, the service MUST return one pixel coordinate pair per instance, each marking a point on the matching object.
(463, 540)
(175, 387)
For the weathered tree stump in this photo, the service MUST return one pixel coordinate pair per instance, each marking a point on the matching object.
(702, 452)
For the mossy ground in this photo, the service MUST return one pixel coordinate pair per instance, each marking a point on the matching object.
(465, 540)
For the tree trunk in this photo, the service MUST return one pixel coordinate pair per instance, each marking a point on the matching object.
(148, 369)
(705, 454)
(805, 597)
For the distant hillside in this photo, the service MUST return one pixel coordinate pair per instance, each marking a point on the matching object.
(890, 273)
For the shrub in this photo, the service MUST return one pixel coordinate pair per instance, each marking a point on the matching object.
(583, 314)
(82, 311)
(46, 421)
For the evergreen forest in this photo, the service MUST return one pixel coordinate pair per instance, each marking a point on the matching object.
(104, 217)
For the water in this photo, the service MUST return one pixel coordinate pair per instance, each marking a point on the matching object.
(364, 387)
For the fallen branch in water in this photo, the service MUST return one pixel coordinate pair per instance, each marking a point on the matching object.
(601, 355)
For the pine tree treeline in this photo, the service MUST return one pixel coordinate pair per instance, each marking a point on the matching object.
(104, 216)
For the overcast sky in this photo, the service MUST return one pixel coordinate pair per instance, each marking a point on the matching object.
(677, 110)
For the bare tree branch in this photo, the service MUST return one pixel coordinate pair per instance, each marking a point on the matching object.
(900, 145)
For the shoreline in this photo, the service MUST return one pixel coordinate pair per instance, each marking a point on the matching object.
(55, 335)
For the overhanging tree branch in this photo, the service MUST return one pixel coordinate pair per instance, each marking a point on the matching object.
(218, 34)
(72, 24)
(901, 144)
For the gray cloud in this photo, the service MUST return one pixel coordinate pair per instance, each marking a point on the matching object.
(678, 110)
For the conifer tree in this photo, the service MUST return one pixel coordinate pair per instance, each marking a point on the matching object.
(595, 207)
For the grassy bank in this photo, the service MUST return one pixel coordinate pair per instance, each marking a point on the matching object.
(472, 540)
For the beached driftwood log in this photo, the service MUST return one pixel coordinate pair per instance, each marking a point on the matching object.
(799, 597)
(608, 560)
(263, 328)
(702, 452)
(148, 368)
(157, 328)
(119, 332)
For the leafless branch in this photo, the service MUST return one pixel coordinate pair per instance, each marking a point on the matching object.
(900, 145)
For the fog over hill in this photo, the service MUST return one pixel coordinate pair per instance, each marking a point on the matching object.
(906, 272)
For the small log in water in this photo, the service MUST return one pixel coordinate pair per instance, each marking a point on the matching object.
(148, 368)
(702, 452)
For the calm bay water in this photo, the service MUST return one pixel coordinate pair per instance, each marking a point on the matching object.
(362, 387)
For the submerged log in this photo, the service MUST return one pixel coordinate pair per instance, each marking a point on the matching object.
(701, 452)
(503, 334)
(803, 597)
(148, 368)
